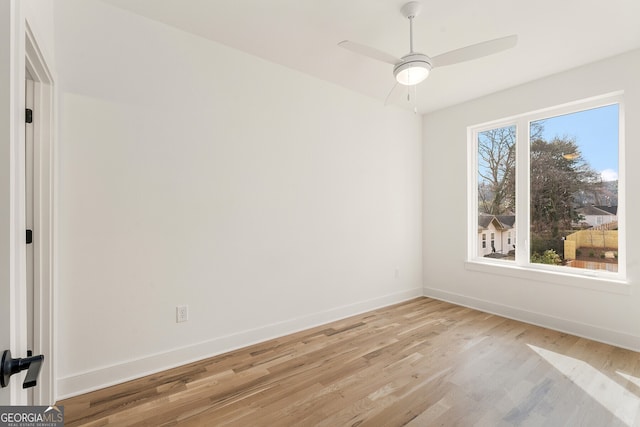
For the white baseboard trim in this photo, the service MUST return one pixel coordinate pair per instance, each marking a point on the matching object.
(106, 376)
(584, 330)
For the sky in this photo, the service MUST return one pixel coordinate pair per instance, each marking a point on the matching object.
(596, 132)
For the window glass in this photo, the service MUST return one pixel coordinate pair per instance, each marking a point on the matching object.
(496, 190)
(574, 189)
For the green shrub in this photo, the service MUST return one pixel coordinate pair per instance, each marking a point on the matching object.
(602, 255)
(591, 254)
(578, 252)
(548, 257)
(540, 244)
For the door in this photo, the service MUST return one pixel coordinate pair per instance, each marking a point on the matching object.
(29, 223)
(6, 61)
(26, 154)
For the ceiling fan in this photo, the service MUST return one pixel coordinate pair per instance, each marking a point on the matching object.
(414, 67)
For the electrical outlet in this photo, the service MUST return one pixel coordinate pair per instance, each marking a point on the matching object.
(182, 313)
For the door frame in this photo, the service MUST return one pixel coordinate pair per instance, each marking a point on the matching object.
(21, 51)
(43, 215)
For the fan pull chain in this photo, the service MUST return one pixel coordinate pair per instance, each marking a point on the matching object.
(415, 96)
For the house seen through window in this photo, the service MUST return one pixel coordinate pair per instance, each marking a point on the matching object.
(567, 210)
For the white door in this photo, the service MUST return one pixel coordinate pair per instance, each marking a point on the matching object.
(5, 326)
(26, 273)
(29, 223)
(5, 183)
(5, 396)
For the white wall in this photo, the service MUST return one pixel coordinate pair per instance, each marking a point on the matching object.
(191, 173)
(580, 306)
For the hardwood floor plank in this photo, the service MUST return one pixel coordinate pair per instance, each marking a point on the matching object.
(419, 363)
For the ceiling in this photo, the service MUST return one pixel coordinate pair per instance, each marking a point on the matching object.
(553, 35)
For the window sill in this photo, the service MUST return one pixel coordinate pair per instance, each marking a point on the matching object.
(593, 282)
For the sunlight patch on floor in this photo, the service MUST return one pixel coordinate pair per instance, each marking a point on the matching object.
(631, 378)
(616, 399)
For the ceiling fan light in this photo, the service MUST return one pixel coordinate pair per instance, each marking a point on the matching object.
(412, 75)
(413, 69)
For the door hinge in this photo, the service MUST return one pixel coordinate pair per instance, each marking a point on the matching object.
(28, 117)
(29, 237)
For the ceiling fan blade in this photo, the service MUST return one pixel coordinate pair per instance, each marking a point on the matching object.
(369, 51)
(475, 51)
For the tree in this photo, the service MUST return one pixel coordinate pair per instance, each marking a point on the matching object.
(496, 168)
(558, 173)
(496, 161)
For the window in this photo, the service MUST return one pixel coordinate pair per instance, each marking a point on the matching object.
(496, 191)
(553, 177)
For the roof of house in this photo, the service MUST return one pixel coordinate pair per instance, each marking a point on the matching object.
(598, 210)
(484, 220)
(507, 220)
(500, 221)
(613, 210)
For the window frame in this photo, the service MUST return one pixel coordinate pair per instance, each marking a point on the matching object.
(521, 266)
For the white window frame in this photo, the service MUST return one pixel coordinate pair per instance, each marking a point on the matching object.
(522, 267)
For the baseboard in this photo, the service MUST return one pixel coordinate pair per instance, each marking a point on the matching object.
(584, 330)
(106, 376)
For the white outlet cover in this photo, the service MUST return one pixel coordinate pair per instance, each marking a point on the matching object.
(182, 313)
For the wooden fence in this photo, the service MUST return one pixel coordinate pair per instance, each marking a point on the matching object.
(598, 239)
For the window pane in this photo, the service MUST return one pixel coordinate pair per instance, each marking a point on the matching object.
(574, 189)
(497, 192)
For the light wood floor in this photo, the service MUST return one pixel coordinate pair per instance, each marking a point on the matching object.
(419, 363)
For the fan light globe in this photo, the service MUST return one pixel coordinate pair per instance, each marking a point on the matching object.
(412, 75)
(413, 69)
